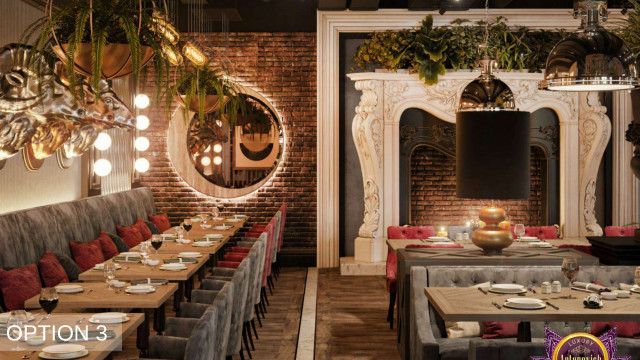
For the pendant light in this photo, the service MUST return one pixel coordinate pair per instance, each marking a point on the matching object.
(492, 150)
(592, 58)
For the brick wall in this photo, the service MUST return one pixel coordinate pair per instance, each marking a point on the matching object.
(433, 192)
(282, 67)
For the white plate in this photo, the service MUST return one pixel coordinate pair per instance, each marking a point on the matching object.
(140, 289)
(233, 220)
(507, 289)
(443, 243)
(76, 355)
(525, 303)
(109, 315)
(222, 227)
(190, 254)
(63, 349)
(437, 238)
(69, 289)
(528, 238)
(167, 237)
(4, 317)
(540, 244)
(205, 226)
(173, 267)
(635, 289)
(130, 254)
(218, 218)
(203, 244)
(241, 216)
(101, 266)
(196, 220)
(213, 236)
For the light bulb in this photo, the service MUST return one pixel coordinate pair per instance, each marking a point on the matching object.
(442, 228)
(217, 160)
(219, 123)
(142, 122)
(102, 167)
(217, 148)
(142, 165)
(141, 101)
(103, 142)
(142, 143)
(205, 161)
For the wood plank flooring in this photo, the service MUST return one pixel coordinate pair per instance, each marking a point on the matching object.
(351, 318)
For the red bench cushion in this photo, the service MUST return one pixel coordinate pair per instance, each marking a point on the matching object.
(19, 285)
(161, 221)
(109, 248)
(87, 255)
(130, 234)
(619, 230)
(51, 270)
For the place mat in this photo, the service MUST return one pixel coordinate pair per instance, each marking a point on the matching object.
(207, 240)
(154, 282)
(92, 335)
(185, 260)
(131, 259)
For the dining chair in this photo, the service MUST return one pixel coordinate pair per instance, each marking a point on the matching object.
(280, 238)
(257, 304)
(275, 221)
(270, 231)
(222, 299)
(400, 232)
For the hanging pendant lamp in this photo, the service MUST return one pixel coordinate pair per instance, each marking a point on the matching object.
(592, 58)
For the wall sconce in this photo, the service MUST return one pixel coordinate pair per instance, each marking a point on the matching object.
(142, 122)
(102, 167)
(103, 142)
(142, 165)
(205, 161)
(142, 143)
(217, 160)
(217, 148)
(141, 101)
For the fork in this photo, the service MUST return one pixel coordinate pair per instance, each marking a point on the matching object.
(496, 305)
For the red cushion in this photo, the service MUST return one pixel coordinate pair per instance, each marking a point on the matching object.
(542, 232)
(258, 227)
(234, 257)
(253, 234)
(238, 249)
(88, 254)
(427, 246)
(410, 232)
(161, 221)
(130, 234)
(51, 270)
(109, 248)
(499, 330)
(229, 264)
(392, 271)
(625, 329)
(619, 230)
(19, 285)
(144, 229)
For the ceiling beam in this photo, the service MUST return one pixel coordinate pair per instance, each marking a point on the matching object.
(501, 3)
(364, 4)
(332, 4)
(423, 5)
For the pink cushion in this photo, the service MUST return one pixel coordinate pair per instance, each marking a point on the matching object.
(161, 221)
(427, 246)
(625, 329)
(499, 330)
(51, 270)
(410, 232)
(542, 232)
(19, 285)
(87, 255)
(619, 230)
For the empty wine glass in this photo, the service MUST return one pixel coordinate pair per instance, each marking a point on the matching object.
(109, 272)
(214, 212)
(519, 230)
(203, 219)
(570, 269)
(48, 300)
(17, 318)
(180, 233)
(144, 252)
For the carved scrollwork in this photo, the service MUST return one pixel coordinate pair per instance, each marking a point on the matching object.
(591, 224)
(551, 134)
(16, 129)
(441, 136)
(371, 223)
(366, 114)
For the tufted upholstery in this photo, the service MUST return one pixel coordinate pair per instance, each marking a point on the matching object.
(427, 246)
(257, 285)
(428, 336)
(542, 232)
(619, 230)
(402, 232)
(26, 234)
(584, 248)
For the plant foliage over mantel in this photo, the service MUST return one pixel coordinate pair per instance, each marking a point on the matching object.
(431, 50)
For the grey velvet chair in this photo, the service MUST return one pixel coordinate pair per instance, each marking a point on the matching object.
(239, 277)
(255, 292)
(222, 299)
(428, 335)
(199, 345)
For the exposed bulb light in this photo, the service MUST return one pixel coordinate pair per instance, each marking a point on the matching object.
(205, 161)
(172, 55)
(194, 54)
(141, 101)
(142, 122)
(207, 149)
(217, 148)
(217, 160)
(219, 123)
(103, 142)
(102, 167)
(142, 165)
(142, 143)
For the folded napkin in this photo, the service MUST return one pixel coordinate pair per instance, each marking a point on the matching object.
(154, 282)
(120, 258)
(92, 335)
(204, 240)
(592, 301)
(181, 260)
(589, 287)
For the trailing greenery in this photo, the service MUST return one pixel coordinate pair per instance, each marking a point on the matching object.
(431, 50)
(106, 22)
(209, 80)
(629, 28)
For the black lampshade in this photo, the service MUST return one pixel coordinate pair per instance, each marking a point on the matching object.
(493, 154)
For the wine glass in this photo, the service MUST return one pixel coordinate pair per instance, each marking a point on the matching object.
(156, 242)
(636, 277)
(48, 300)
(144, 252)
(214, 212)
(570, 270)
(109, 272)
(519, 230)
(180, 233)
(220, 209)
(203, 219)
(17, 318)
(187, 225)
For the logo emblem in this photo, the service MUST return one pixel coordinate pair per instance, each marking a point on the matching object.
(580, 346)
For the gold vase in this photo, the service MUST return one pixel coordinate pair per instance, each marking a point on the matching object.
(492, 238)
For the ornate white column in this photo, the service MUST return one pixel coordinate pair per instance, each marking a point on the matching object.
(625, 184)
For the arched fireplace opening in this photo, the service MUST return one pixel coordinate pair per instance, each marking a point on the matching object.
(427, 173)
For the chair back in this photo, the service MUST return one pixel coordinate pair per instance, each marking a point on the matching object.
(278, 222)
(283, 211)
(410, 232)
(619, 230)
(224, 305)
(262, 242)
(253, 279)
(240, 286)
(542, 232)
(202, 342)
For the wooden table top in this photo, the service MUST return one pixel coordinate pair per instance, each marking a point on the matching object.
(137, 271)
(96, 296)
(172, 247)
(101, 349)
(469, 304)
(396, 244)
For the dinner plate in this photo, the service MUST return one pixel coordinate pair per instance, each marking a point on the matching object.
(241, 216)
(507, 289)
(437, 238)
(69, 289)
(190, 254)
(234, 220)
(203, 244)
(168, 237)
(63, 349)
(222, 227)
(635, 289)
(101, 266)
(442, 243)
(218, 218)
(173, 267)
(525, 303)
(109, 318)
(112, 315)
(540, 244)
(76, 355)
(130, 254)
(213, 236)
(140, 289)
(4, 317)
(528, 238)
(205, 226)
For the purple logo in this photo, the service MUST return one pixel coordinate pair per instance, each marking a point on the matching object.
(580, 346)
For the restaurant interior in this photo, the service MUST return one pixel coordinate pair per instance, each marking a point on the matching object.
(319, 179)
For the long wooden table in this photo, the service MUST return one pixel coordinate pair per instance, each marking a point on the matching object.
(396, 244)
(96, 296)
(100, 350)
(468, 304)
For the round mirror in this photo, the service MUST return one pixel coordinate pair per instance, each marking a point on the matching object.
(240, 155)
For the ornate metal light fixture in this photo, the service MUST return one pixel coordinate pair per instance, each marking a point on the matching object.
(592, 58)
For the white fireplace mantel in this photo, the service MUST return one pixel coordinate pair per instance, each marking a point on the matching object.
(584, 132)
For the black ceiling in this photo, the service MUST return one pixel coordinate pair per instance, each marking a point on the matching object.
(300, 15)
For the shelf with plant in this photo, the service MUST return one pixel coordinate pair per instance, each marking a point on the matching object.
(104, 39)
(430, 50)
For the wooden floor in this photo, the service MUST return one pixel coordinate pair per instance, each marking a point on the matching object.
(279, 332)
(351, 318)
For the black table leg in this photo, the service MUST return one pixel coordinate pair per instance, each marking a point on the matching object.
(142, 340)
(524, 331)
(177, 298)
(202, 272)
(159, 317)
(188, 288)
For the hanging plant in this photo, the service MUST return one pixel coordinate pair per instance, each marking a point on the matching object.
(105, 39)
(628, 28)
(207, 90)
